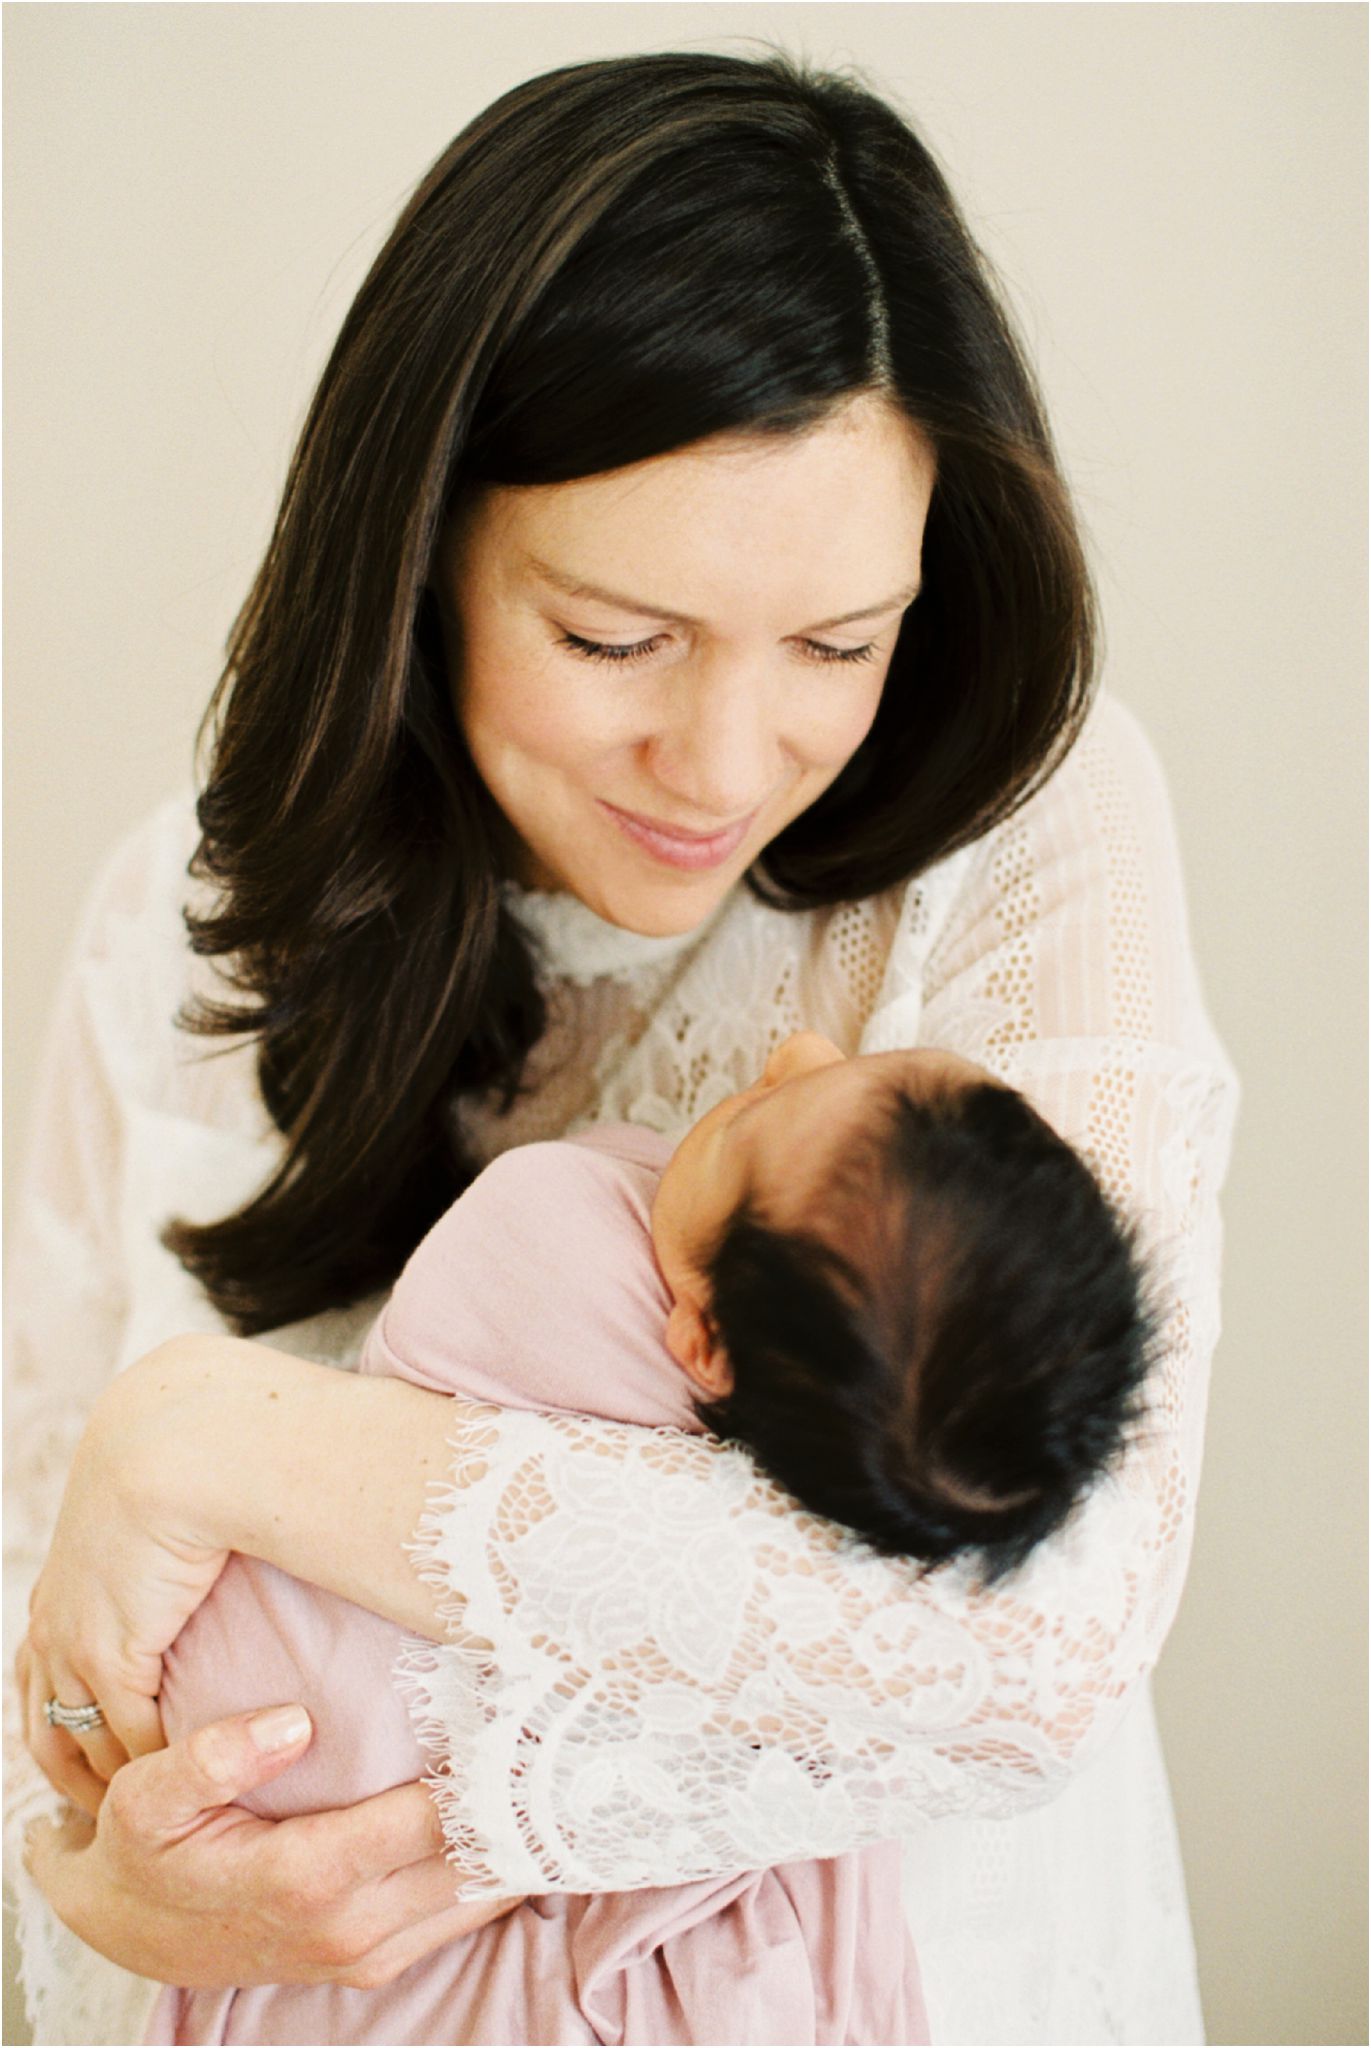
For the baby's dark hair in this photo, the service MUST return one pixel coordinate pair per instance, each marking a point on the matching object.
(953, 1350)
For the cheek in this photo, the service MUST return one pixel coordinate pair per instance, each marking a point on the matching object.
(515, 701)
(836, 721)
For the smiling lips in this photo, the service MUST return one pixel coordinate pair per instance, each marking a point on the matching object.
(694, 851)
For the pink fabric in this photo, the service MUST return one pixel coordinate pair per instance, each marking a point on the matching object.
(538, 1289)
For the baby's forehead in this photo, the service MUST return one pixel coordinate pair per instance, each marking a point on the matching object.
(919, 1066)
(842, 1132)
(872, 1079)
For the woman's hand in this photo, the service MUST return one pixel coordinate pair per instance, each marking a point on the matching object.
(125, 1571)
(176, 1883)
(208, 1445)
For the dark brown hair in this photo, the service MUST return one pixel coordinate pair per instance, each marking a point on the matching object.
(610, 262)
(953, 1352)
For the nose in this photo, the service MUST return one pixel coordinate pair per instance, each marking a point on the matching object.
(802, 1053)
(722, 756)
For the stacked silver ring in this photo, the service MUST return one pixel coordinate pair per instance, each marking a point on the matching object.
(76, 1720)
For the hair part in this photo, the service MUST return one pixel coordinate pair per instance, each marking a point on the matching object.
(614, 260)
(955, 1352)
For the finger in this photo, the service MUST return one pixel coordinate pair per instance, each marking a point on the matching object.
(380, 1835)
(172, 1788)
(134, 1720)
(103, 1751)
(54, 1751)
(410, 1946)
(82, 1787)
(50, 1851)
(417, 1891)
(100, 1747)
(87, 1790)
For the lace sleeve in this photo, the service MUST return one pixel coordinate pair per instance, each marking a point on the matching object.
(659, 1667)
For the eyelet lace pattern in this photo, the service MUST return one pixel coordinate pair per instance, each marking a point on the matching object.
(658, 1667)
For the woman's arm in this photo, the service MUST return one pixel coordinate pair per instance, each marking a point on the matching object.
(65, 1311)
(656, 1668)
(357, 1894)
(210, 1445)
(206, 1445)
(674, 1673)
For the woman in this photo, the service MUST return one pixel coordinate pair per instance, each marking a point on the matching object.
(675, 633)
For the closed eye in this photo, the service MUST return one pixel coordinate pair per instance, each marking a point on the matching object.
(608, 650)
(639, 650)
(822, 652)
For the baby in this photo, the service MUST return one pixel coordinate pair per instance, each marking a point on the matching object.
(906, 1295)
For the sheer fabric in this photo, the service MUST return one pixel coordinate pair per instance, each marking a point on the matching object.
(658, 1668)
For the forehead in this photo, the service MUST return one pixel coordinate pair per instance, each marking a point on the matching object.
(813, 523)
(794, 1137)
(798, 1139)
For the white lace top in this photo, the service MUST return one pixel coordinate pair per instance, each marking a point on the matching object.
(678, 1672)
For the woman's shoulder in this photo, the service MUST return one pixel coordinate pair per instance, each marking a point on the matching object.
(1114, 748)
(1098, 832)
(1111, 752)
(136, 971)
(1109, 784)
(134, 904)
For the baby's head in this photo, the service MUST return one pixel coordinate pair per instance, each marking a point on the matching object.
(907, 1296)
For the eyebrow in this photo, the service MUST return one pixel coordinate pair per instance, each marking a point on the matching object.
(572, 586)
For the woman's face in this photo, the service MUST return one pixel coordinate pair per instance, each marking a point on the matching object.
(658, 668)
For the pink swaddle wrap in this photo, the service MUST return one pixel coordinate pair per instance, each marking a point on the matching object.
(538, 1289)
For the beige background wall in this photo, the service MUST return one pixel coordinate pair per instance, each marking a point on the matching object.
(1175, 195)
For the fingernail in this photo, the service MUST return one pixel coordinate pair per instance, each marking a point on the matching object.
(279, 1727)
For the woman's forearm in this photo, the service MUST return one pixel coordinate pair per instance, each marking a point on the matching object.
(320, 1472)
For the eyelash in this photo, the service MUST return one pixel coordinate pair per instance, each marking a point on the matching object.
(639, 650)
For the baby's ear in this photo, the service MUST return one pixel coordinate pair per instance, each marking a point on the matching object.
(693, 1343)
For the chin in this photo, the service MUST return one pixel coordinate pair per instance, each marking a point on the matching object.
(661, 910)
